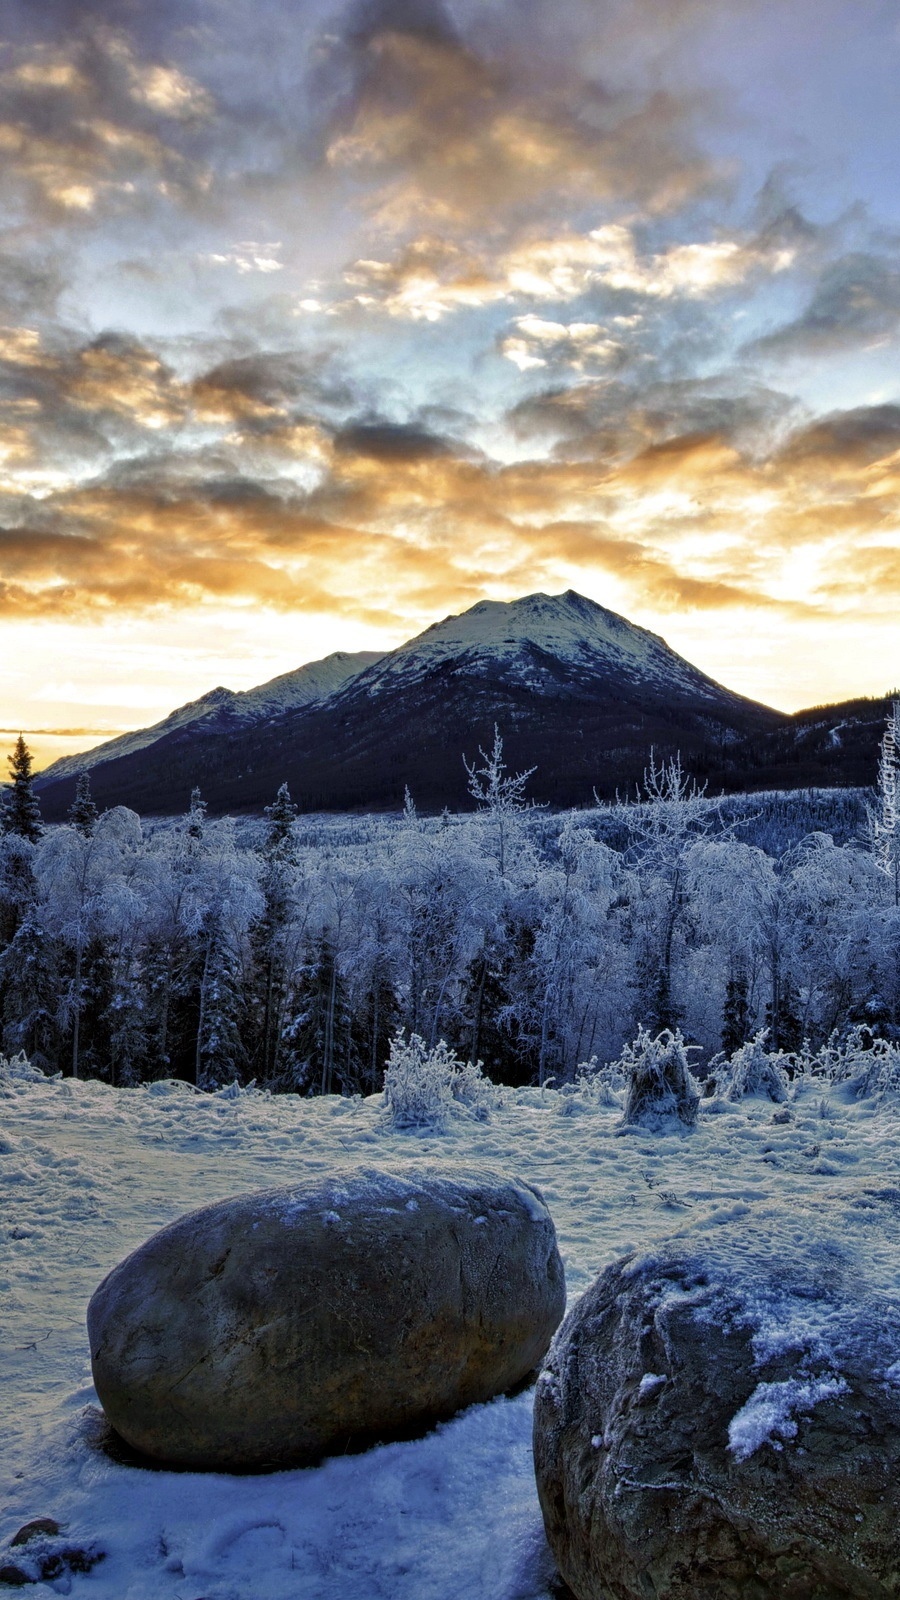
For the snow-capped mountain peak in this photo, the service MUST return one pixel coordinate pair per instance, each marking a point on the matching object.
(581, 694)
(574, 631)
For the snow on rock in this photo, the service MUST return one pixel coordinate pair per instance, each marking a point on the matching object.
(88, 1172)
(774, 1443)
(769, 1415)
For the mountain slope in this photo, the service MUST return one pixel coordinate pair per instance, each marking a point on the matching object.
(575, 689)
(222, 710)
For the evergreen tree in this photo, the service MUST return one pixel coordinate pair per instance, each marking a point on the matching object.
(280, 841)
(29, 987)
(219, 1052)
(196, 816)
(663, 1012)
(375, 1026)
(320, 1037)
(83, 813)
(86, 1005)
(18, 890)
(126, 1025)
(266, 1000)
(21, 812)
(495, 1017)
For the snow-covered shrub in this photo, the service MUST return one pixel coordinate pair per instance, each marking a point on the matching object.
(754, 1070)
(471, 1088)
(421, 1086)
(599, 1085)
(661, 1086)
(18, 1069)
(867, 1066)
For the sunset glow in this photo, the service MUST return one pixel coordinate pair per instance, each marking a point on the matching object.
(321, 321)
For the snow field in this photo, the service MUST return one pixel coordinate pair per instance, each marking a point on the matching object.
(88, 1172)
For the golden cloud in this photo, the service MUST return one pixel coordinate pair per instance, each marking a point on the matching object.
(248, 497)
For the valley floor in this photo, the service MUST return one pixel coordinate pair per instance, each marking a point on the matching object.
(88, 1172)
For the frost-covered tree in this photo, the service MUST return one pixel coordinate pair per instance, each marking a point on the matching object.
(29, 992)
(77, 875)
(83, 813)
(296, 957)
(499, 793)
(272, 944)
(668, 818)
(195, 820)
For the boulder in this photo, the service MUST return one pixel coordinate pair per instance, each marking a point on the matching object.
(719, 1419)
(276, 1327)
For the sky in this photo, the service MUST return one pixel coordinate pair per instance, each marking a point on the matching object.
(321, 321)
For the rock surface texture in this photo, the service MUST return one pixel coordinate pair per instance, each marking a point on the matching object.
(276, 1327)
(720, 1419)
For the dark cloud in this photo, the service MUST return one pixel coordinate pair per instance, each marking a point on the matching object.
(423, 19)
(447, 125)
(390, 441)
(614, 421)
(856, 302)
(857, 438)
(30, 287)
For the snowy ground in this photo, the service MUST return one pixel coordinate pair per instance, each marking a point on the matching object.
(87, 1172)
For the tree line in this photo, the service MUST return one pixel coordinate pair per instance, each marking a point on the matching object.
(293, 954)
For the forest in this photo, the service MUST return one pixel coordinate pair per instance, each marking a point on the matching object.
(291, 950)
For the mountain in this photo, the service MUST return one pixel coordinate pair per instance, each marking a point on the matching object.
(225, 710)
(577, 691)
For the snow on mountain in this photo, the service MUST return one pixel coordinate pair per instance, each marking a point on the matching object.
(574, 631)
(305, 686)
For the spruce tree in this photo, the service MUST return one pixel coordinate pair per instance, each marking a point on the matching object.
(196, 816)
(280, 843)
(83, 813)
(29, 994)
(267, 935)
(21, 812)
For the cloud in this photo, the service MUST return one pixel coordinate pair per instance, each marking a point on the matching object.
(87, 127)
(677, 523)
(388, 441)
(376, 308)
(446, 131)
(267, 479)
(856, 303)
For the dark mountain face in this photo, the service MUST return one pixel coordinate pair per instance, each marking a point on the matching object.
(575, 690)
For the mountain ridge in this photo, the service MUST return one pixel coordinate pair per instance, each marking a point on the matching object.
(577, 691)
(302, 686)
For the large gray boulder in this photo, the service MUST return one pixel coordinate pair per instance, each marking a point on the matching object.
(719, 1419)
(275, 1327)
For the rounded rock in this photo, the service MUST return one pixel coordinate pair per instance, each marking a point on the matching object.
(273, 1328)
(720, 1419)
